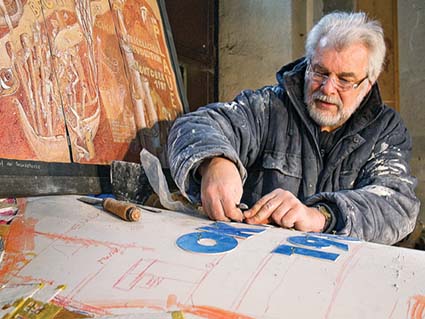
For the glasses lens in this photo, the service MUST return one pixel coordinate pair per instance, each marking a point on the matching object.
(317, 77)
(339, 84)
(321, 79)
(343, 85)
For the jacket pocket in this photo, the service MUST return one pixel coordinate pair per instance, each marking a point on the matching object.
(281, 171)
(275, 171)
(286, 164)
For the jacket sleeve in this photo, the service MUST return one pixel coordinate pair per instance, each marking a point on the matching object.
(232, 130)
(382, 207)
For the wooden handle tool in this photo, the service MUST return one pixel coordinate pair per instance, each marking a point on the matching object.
(127, 211)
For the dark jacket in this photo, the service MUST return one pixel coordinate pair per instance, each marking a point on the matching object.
(365, 179)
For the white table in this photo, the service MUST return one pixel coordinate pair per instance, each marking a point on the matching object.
(138, 270)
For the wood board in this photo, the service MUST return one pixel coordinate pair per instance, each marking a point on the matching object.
(94, 72)
(84, 82)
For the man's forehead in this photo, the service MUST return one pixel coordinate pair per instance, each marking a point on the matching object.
(352, 59)
(341, 73)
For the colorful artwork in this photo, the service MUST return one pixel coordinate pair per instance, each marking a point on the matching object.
(96, 75)
(108, 267)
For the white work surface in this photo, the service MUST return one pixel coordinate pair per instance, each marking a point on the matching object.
(112, 267)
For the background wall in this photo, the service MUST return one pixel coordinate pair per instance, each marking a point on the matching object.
(254, 40)
(257, 37)
(411, 24)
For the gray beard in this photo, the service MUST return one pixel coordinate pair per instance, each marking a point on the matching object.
(325, 119)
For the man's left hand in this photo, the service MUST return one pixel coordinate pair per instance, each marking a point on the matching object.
(284, 209)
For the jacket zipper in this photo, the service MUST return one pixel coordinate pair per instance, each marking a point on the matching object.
(295, 102)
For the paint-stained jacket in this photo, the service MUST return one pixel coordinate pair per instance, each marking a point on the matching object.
(268, 134)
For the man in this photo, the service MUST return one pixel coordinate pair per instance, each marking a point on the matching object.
(317, 152)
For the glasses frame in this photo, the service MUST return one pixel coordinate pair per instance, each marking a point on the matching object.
(350, 85)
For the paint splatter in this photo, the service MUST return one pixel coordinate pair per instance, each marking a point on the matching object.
(209, 312)
(171, 301)
(19, 244)
(416, 308)
(21, 235)
(379, 190)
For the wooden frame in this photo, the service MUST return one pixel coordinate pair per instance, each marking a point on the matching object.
(386, 12)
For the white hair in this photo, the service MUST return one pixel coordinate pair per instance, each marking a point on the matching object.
(341, 29)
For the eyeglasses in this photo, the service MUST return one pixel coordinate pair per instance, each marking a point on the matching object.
(340, 84)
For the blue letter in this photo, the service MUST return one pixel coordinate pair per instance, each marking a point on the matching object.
(338, 237)
(207, 243)
(289, 250)
(316, 242)
(222, 228)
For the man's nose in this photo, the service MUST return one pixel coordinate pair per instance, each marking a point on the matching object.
(328, 87)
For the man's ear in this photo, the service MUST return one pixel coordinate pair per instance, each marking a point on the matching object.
(370, 84)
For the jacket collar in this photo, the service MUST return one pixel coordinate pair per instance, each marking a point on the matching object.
(291, 79)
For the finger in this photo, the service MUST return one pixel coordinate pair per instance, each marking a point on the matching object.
(279, 213)
(289, 219)
(232, 211)
(214, 210)
(263, 214)
(259, 205)
(258, 221)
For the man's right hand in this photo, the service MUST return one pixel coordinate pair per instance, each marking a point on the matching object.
(221, 189)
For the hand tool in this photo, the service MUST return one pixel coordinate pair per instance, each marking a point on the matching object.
(242, 206)
(125, 210)
(153, 209)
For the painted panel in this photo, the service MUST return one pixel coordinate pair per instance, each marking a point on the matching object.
(98, 73)
(31, 114)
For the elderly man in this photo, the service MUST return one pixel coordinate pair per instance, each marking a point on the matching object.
(319, 151)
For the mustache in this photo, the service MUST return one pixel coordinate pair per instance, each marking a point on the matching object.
(327, 99)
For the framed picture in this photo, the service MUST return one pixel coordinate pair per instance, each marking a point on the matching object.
(83, 83)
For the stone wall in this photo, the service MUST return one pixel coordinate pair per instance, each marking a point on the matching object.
(411, 27)
(254, 42)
